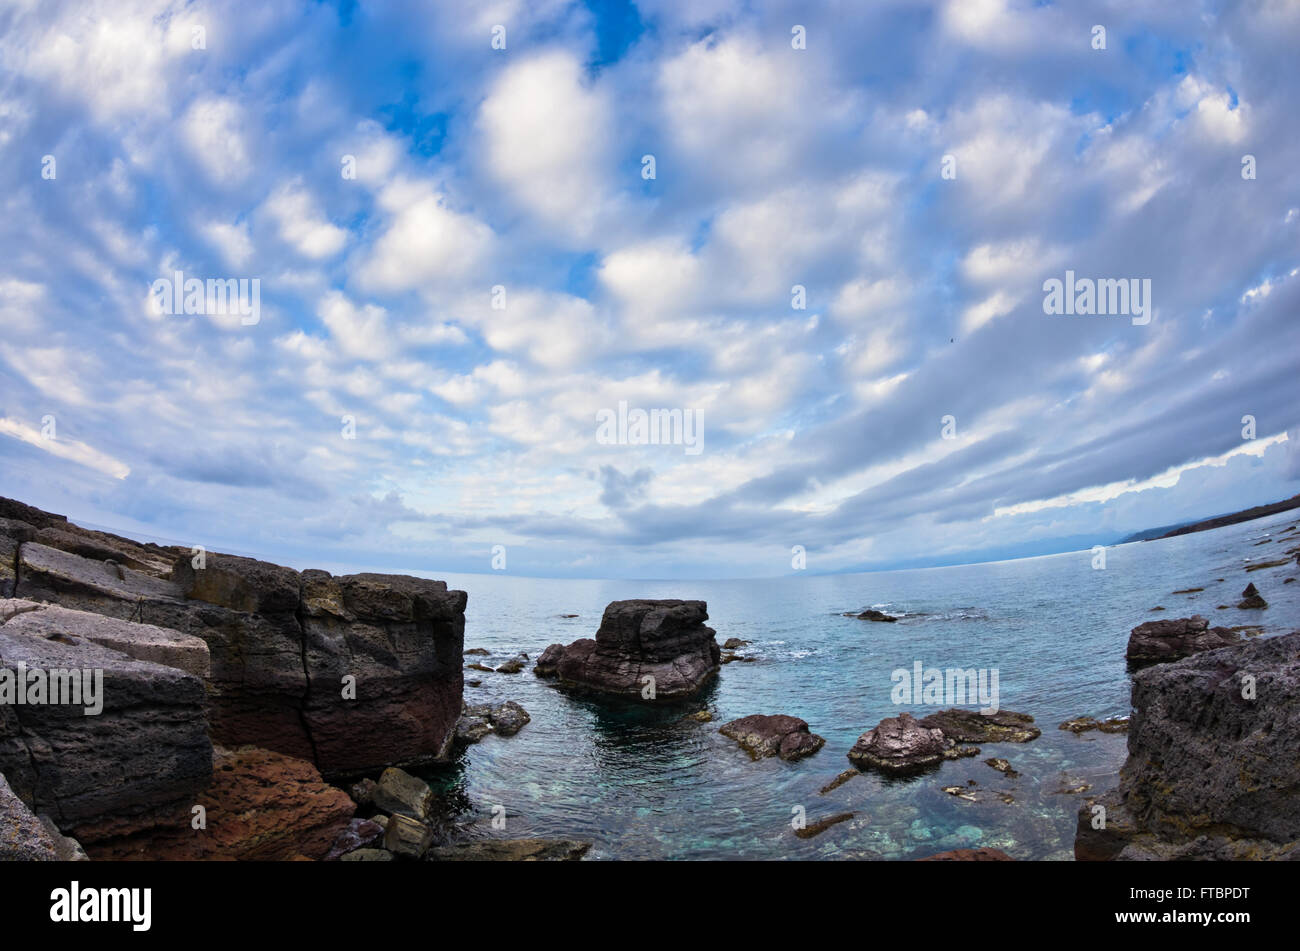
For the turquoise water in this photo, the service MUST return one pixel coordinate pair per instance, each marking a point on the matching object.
(641, 783)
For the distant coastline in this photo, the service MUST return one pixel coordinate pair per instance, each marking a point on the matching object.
(1218, 521)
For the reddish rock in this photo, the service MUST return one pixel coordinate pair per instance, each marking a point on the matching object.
(969, 855)
(261, 805)
(779, 735)
(898, 745)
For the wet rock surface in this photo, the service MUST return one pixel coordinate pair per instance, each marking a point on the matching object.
(899, 744)
(971, 726)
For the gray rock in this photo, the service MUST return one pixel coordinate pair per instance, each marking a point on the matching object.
(148, 642)
(1173, 638)
(472, 729)
(146, 755)
(508, 718)
(1211, 774)
(406, 837)
(400, 793)
(23, 837)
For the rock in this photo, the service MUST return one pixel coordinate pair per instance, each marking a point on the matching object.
(477, 652)
(732, 643)
(666, 641)
(1269, 564)
(1002, 766)
(1251, 599)
(873, 615)
(368, 855)
(1210, 774)
(548, 663)
(400, 793)
(358, 834)
(821, 825)
(280, 642)
(260, 806)
(147, 642)
(513, 666)
(363, 791)
(472, 729)
(406, 837)
(508, 718)
(700, 716)
(144, 755)
(969, 855)
(780, 735)
(23, 837)
(971, 726)
(511, 850)
(473, 683)
(961, 792)
(1172, 638)
(1084, 724)
(839, 780)
(1188, 590)
(898, 745)
(483, 667)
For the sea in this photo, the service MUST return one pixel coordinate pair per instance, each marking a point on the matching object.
(643, 781)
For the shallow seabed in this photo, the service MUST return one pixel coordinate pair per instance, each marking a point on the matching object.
(641, 783)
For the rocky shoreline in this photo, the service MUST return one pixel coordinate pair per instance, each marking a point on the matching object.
(248, 711)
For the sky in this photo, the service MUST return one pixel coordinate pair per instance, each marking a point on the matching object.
(820, 232)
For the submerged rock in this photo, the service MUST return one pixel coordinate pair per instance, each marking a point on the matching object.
(839, 780)
(511, 850)
(1211, 769)
(898, 744)
(969, 855)
(1002, 766)
(873, 615)
(971, 726)
(1084, 724)
(644, 650)
(821, 825)
(761, 735)
(1172, 638)
(514, 665)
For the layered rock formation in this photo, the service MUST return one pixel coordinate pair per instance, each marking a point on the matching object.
(352, 673)
(643, 650)
(143, 755)
(1173, 638)
(1211, 773)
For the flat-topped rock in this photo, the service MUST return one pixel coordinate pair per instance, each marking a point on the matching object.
(147, 642)
(644, 650)
(75, 581)
(1173, 638)
(971, 726)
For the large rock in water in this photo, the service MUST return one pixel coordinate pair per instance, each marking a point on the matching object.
(664, 640)
(281, 643)
(1211, 772)
(899, 745)
(144, 755)
(1174, 638)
